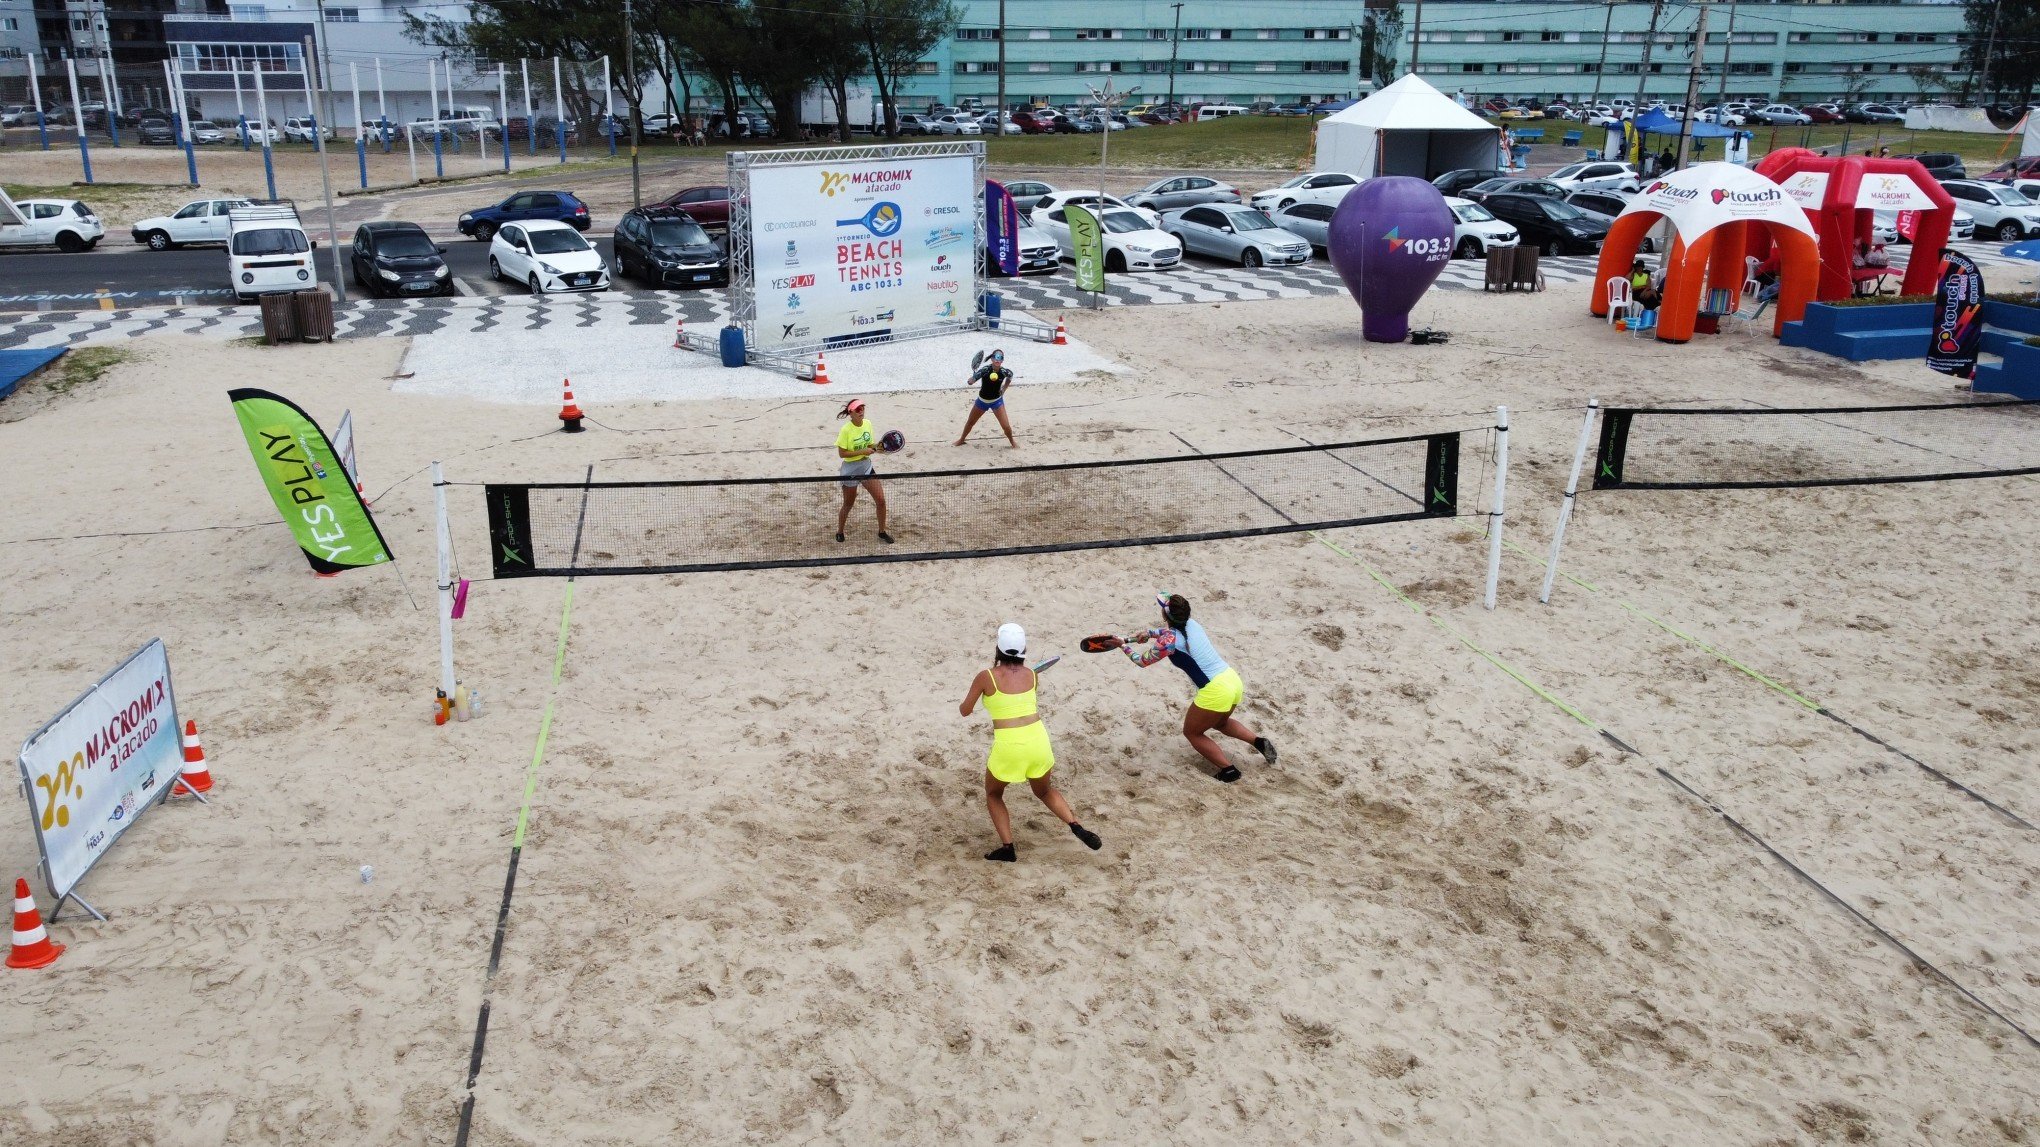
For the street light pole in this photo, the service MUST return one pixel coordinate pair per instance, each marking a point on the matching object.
(1175, 39)
(630, 77)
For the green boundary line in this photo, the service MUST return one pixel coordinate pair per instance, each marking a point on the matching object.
(1518, 675)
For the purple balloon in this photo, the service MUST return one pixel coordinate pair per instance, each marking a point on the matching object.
(1389, 239)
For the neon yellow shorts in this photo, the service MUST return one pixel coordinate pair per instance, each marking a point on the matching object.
(1221, 694)
(1021, 754)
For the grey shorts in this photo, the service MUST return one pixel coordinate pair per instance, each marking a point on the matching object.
(855, 474)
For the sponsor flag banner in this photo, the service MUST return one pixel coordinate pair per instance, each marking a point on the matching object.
(343, 445)
(1089, 246)
(1958, 316)
(309, 485)
(1907, 225)
(94, 769)
(1002, 228)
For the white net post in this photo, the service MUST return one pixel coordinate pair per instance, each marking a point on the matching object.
(445, 582)
(1494, 552)
(1565, 505)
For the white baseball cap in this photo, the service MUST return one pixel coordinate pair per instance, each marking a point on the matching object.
(1012, 640)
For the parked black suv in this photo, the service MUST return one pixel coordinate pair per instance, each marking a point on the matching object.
(1553, 225)
(395, 258)
(1456, 182)
(1940, 164)
(665, 247)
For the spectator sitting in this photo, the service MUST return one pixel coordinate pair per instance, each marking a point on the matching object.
(1643, 290)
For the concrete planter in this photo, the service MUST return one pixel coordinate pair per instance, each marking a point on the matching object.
(1861, 333)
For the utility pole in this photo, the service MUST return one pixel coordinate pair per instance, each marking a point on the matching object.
(1607, 23)
(1657, 8)
(1727, 49)
(630, 76)
(1417, 38)
(325, 177)
(1990, 45)
(999, 113)
(1175, 38)
(1693, 82)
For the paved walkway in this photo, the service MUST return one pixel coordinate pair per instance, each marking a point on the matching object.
(1192, 283)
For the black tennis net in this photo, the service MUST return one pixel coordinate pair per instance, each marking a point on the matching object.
(1646, 448)
(552, 529)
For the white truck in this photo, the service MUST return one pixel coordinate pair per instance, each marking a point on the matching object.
(267, 250)
(472, 120)
(818, 108)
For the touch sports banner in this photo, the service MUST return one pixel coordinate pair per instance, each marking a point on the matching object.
(310, 486)
(93, 770)
(857, 248)
(1958, 316)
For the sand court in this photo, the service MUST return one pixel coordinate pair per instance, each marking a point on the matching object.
(751, 904)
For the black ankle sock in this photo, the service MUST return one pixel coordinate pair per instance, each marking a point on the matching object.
(1003, 852)
(1091, 839)
(1228, 774)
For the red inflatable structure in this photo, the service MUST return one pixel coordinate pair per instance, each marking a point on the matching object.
(1841, 194)
(1716, 211)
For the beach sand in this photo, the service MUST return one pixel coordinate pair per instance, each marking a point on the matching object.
(750, 905)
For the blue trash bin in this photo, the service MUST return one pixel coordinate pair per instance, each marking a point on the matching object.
(993, 306)
(733, 345)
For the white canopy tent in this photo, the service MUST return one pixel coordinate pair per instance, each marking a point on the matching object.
(1406, 128)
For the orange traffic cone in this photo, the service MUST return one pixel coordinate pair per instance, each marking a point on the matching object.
(680, 332)
(821, 369)
(32, 947)
(195, 777)
(569, 413)
(1062, 334)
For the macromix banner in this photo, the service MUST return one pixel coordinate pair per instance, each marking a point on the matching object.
(310, 486)
(1088, 244)
(1958, 316)
(1002, 228)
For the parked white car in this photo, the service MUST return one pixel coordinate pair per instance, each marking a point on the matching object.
(2002, 212)
(1055, 199)
(987, 121)
(1885, 226)
(954, 124)
(300, 128)
(1313, 221)
(546, 256)
(268, 252)
(1039, 254)
(206, 131)
(1597, 176)
(257, 134)
(1475, 230)
(200, 221)
(65, 224)
(1310, 187)
(1132, 241)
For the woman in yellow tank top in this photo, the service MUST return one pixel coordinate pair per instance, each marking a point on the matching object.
(1020, 749)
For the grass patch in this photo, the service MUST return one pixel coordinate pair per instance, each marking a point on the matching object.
(83, 367)
(81, 190)
(1877, 300)
(249, 341)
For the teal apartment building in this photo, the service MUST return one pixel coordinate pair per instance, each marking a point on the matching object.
(1250, 51)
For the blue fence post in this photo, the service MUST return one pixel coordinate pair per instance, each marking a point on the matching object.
(438, 156)
(269, 167)
(385, 133)
(85, 154)
(190, 153)
(612, 137)
(244, 132)
(113, 126)
(506, 149)
(560, 129)
(42, 128)
(361, 157)
(531, 128)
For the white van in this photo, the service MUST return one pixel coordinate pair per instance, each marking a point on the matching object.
(267, 251)
(1210, 112)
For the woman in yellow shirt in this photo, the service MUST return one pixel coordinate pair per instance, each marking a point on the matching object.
(1020, 749)
(855, 444)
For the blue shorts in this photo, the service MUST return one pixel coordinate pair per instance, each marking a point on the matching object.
(993, 404)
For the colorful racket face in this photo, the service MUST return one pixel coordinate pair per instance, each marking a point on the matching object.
(1099, 643)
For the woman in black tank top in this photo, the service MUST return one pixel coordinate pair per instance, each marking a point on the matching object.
(992, 380)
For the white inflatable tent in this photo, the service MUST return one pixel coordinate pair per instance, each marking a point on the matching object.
(1406, 128)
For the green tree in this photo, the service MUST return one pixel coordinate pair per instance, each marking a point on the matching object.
(896, 34)
(1380, 36)
(2003, 49)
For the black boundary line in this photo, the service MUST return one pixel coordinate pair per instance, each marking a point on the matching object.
(1918, 961)
(1382, 482)
(467, 1105)
(1930, 770)
(1213, 459)
(1819, 409)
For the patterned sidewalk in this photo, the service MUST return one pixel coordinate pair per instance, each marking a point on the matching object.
(1191, 283)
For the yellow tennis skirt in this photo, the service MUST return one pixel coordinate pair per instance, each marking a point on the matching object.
(1222, 693)
(1021, 754)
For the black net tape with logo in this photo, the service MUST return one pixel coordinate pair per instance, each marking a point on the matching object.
(561, 528)
(1705, 449)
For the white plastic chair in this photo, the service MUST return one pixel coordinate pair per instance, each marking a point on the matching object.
(1618, 298)
(1750, 286)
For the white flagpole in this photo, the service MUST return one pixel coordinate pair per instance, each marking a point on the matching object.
(1494, 570)
(1572, 486)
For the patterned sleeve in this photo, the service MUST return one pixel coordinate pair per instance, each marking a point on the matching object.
(1164, 642)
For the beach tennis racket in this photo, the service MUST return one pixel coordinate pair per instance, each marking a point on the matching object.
(1045, 666)
(977, 360)
(892, 442)
(1099, 643)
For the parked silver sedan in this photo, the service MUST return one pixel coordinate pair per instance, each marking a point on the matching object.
(1183, 191)
(1237, 233)
(1313, 221)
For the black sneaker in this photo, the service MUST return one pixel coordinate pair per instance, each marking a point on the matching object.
(1003, 852)
(1228, 774)
(839, 537)
(1267, 748)
(1091, 839)
(885, 537)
